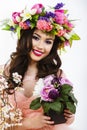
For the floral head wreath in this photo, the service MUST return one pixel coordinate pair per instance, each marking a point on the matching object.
(54, 21)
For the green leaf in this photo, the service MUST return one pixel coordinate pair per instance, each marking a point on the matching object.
(7, 27)
(75, 37)
(35, 104)
(46, 106)
(71, 107)
(73, 98)
(70, 42)
(65, 89)
(57, 106)
(18, 29)
(65, 98)
(62, 39)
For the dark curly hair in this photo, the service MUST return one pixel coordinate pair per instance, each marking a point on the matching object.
(20, 58)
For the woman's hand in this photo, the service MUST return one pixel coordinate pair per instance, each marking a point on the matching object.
(69, 116)
(37, 121)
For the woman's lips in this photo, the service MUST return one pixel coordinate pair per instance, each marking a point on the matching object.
(37, 52)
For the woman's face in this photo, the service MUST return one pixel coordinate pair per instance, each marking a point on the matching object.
(42, 44)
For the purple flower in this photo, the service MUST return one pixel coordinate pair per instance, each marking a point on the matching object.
(48, 80)
(12, 28)
(63, 80)
(50, 14)
(55, 80)
(27, 22)
(53, 94)
(44, 18)
(45, 93)
(59, 5)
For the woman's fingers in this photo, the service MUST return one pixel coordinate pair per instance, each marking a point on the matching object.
(47, 120)
(67, 111)
(69, 116)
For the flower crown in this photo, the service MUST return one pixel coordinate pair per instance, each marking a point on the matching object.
(54, 21)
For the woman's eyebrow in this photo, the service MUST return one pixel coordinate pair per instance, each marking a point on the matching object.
(50, 39)
(37, 34)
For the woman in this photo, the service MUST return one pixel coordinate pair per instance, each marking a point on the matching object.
(36, 57)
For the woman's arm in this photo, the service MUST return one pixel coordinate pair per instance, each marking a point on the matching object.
(34, 122)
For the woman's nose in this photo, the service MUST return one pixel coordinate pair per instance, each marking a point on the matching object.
(40, 44)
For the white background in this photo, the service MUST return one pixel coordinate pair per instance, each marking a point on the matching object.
(73, 62)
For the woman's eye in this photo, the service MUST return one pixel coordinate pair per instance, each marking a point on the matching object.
(49, 42)
(35, 38)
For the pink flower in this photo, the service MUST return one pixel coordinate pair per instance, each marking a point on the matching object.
(60, 16)
(61, 32)
(24, 25)
(44, 25)
(66, 43)
(16, 17)
(70, 25)
(38, 8)
(61, 10)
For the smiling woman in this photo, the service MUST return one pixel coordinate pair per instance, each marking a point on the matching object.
(41, 34)
(41, 44)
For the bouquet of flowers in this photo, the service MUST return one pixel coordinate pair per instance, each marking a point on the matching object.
(54, 95)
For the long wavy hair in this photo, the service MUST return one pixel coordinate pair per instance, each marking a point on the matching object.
(20, 59)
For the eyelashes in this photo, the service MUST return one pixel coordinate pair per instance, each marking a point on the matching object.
(36, 38)
(48, 42)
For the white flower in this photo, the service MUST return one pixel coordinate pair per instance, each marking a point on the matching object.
(38, 87)
(11, 23)
(71, 33)
(16, 77)
(3, 83)
(2, 79)
(33, 11)
(25, 15)
(67, 36)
